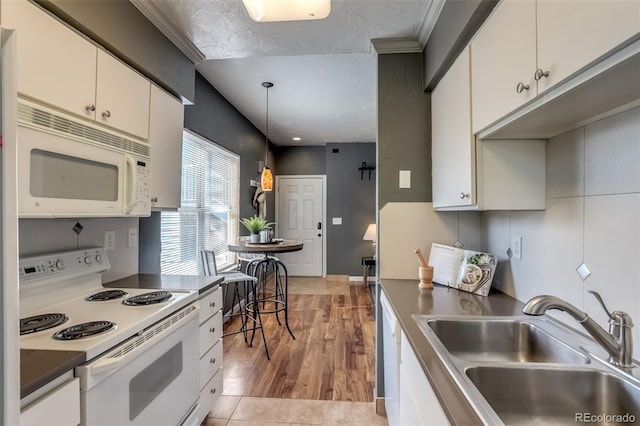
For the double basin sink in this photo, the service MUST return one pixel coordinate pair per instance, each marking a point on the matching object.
(532, 370)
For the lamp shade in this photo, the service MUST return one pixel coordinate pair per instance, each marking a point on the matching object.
(266, 179)
(370, 233)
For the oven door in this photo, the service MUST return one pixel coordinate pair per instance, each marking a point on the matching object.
(62, 177)
(155, 383)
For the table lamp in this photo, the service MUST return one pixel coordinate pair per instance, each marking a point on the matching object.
(370, 235)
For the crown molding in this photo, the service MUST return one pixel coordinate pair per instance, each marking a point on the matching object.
(396, 45)
(430, 19)
(166, 27)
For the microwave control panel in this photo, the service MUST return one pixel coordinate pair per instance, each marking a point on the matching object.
(142, 191)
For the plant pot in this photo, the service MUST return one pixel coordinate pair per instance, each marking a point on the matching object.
(255, 238)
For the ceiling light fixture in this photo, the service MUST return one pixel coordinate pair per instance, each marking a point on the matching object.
(296, 138)
(266, 181)
(287, 10)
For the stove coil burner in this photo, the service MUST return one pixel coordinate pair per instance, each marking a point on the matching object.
(41, 322)
(86, 329)
(148, 298)
(106, 295)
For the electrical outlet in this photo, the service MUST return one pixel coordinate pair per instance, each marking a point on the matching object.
(109, 240)
(516, 247)
(133, 237)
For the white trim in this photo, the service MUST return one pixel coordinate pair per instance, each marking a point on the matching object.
(324, 210)
(166, 27)
(396, 45)
(370, 279)
(430, 18)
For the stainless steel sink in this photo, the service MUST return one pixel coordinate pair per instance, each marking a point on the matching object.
(555, 396)
(502, 340)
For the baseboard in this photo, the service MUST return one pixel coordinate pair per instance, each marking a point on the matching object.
(359, 278)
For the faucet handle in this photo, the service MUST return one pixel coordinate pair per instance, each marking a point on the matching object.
(599, 298)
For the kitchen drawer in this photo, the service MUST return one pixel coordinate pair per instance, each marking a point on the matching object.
(210, 394)
(210, 332)
(59, 407)
(210, 304)
(210, 363)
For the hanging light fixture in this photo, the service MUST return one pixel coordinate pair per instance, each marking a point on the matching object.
(267, 176)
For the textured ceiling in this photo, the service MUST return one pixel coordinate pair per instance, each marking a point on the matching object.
(324, 72)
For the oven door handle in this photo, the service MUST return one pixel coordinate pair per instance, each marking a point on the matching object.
(107, 364)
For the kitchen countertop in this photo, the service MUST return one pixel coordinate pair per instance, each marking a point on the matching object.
(167, 282)
(407, 299)
(37, 368)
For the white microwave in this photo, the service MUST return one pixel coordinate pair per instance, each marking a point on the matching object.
(68, 167)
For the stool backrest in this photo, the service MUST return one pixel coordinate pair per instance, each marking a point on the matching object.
(208, 258)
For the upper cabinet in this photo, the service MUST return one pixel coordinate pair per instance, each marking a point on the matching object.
(165, 138)
(527, 47)
(61, 68)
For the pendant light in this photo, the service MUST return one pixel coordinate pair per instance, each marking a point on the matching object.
(266, 180)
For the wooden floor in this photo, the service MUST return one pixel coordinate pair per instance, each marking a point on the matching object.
(332, 357)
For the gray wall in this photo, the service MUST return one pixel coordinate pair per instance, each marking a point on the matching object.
(457, 23)
(122, 29)
(354, 200)
(348, 197)
(404, 128)
(301, 160)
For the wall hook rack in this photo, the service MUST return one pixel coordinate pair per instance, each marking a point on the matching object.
(365, 167)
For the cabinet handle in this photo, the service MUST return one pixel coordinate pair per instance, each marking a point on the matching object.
(106, 114)
(90, 107)
(521, 87)
(212, 391)
(539, 74)
(212, 330)
(463, 195)
(212, 361)
(212, 304)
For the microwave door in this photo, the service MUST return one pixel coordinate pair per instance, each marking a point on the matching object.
(61, 177)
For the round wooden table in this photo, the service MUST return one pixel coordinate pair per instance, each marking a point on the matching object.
(273, 302)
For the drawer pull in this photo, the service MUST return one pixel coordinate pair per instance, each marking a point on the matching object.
(212, 391)
(212, 360)
(212, 330)
(212, 304)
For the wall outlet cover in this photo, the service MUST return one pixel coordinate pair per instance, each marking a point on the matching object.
(336, 221)
(516, 247)
(133, 238)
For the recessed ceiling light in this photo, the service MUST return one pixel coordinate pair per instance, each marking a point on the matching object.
(297, 138)
(287, 10)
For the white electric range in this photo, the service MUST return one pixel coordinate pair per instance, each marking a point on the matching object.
(141, 345)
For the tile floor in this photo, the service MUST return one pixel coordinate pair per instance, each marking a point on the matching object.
(249, 411)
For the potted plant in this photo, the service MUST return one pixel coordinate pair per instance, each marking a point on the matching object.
(255, 224)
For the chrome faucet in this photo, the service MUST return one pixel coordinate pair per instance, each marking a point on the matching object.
(617, 342)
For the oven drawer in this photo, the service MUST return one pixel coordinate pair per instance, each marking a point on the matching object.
(210, 394)
(210, 304)
(210, 363)
(210, 332)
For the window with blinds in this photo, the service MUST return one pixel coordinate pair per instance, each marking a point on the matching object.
(208, 214)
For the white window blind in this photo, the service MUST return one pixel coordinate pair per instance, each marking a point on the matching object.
(208, 214)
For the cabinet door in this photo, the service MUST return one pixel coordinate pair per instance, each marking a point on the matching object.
(55, 64)
(571, 34)
(122, 96)
(452, 148)
(165, 137)
(503, 56)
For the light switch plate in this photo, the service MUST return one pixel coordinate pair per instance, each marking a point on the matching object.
(336, 221)
(516, 247)
(109, 240)
(405, 179)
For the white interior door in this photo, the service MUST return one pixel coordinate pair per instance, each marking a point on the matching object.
(299, 216)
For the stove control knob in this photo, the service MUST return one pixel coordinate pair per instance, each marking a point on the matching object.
(87, 260)
(60, 264)
(99, 258)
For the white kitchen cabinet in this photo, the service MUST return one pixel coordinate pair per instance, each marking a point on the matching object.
(470, 174)
(453, 145)
(526, 47)
(419, 404)
(210, 351)
(60, 67)
(59, 406)
(166, 117)
(503, 60)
